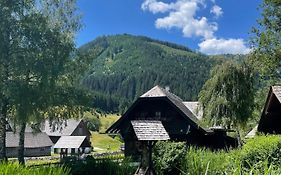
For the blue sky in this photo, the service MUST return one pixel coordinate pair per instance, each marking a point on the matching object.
(209, 26)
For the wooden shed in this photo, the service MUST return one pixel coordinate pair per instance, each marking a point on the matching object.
(179, 122)
(72, 145)
(35, 144)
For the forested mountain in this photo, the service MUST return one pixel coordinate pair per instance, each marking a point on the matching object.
(125, 66)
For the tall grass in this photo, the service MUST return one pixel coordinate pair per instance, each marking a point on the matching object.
(259, 156)
(102, 167)
(16, 169)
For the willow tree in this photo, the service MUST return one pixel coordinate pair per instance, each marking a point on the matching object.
(227, 97)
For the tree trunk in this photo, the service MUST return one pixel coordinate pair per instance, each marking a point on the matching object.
(3, 123)
(2, 137)
(21, 143)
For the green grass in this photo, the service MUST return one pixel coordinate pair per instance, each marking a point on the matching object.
(105, 143)
(101, 141)
(16, 169)
(107, 121)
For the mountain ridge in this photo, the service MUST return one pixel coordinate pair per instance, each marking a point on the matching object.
(125, 66)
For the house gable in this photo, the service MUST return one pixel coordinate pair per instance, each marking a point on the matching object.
(159, 104)
(271, 116)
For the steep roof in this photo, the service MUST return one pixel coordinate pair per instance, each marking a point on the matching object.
(158, 92)
(194, 107)
(267, 123)
(71, 142)
(149, 130)
(252, 133)
(65, 128)
(32, 140)
(276, 90)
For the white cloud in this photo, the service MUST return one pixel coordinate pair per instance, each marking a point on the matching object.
(181, 14)
(223, 46)
(155, 7)
(217, 11)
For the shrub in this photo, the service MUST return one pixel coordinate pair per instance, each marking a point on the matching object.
(102, 166)
(93, 123)
(167, 157)
(259, 149)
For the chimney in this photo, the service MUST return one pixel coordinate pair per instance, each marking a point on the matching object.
(167, 88)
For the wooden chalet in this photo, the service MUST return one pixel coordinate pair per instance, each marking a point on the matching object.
(178, 120)
(271, 114)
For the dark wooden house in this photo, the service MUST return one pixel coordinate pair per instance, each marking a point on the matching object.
(179, 122)
(271, 115)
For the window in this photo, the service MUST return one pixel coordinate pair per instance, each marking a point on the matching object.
(157, 115)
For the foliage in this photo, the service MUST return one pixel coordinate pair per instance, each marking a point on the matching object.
(227, 97)
(16, 169)
(38, 40)
(167, 157)
(124, 66)
(267, 41)
(93, 123)
(200, 161)
(262, 148)
(260, 155)
(104, 166)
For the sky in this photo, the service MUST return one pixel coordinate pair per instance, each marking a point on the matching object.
(208, 26)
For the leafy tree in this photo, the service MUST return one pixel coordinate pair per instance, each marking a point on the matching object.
(41, 44)
(267, 41)
(12, 16)
(227, 97)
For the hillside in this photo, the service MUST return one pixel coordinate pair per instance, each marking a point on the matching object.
(125, 66)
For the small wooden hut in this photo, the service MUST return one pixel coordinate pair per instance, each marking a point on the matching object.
(72, 145)
(147, 133)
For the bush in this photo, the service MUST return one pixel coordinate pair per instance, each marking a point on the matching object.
(259, 149)
(260, 155)
(93, 123)
(167, 157)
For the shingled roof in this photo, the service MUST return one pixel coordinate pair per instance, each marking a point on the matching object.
(66, 128)
(72, 142)
(32, 140)
(194, 107)
(267, 123)
(158, 92)
(149, 130)
(276, 90)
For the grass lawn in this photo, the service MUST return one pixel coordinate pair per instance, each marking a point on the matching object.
(105, 143)
(107, 121)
